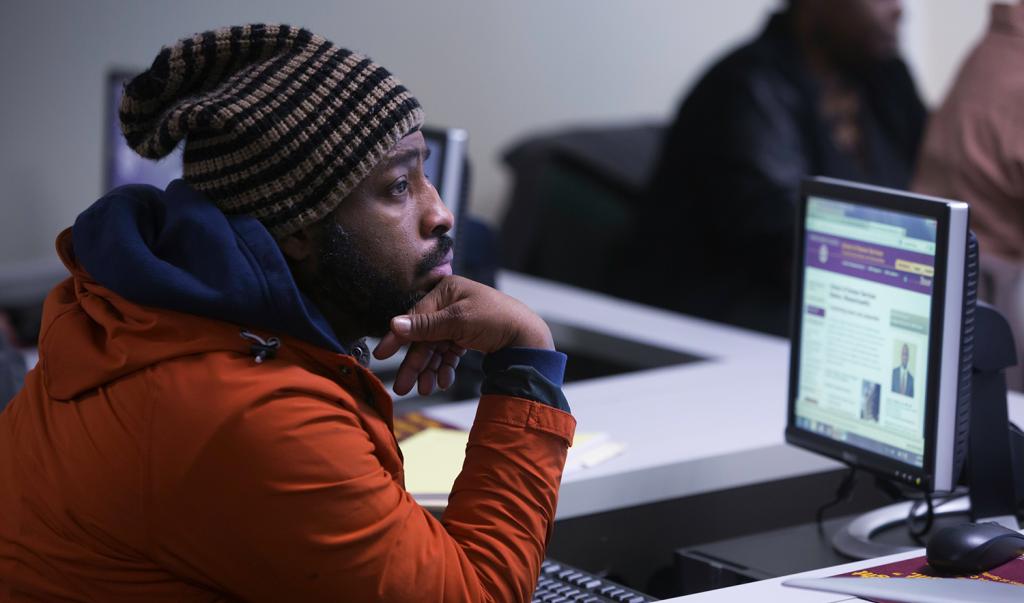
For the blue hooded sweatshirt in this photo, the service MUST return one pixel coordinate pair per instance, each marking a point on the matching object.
(176, 250)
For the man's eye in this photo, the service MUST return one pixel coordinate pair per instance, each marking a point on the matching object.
(400, 187)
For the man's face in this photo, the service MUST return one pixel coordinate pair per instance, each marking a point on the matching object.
(386, 245)
(905, 356)
(862, 30)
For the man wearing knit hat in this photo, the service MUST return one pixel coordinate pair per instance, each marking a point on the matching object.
(201, 424)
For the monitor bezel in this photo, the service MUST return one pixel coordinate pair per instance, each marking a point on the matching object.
(947, 301)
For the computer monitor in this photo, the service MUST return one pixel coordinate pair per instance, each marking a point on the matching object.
(880, 366)
(123, 165)
(446, 168)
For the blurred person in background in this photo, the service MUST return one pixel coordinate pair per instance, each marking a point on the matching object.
(821, 91)
(973, 150)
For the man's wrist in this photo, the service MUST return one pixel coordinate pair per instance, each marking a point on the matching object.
(537, 336)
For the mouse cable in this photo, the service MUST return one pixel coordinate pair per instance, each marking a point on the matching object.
(934, 500)
(843, 493)
(929, 518)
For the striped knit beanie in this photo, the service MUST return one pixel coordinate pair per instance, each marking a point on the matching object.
(278, 123)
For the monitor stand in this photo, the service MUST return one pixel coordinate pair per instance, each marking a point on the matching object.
(990, 467)
(855, 539)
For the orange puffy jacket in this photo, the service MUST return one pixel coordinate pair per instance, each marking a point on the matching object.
(150, 458)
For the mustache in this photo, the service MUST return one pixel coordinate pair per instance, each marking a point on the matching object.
(436, 257)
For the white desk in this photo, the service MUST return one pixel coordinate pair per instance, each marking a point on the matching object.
(700, 427)
(773, 590)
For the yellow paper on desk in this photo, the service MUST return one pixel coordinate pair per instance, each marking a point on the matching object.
(433, 459)
(434, 456)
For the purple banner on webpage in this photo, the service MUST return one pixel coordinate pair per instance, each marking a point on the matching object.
(877, 263)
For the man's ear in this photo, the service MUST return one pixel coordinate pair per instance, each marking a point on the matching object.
(298, 246)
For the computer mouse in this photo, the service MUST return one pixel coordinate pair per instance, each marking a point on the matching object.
(972, 548)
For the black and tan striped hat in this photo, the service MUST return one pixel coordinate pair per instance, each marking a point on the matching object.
(278, 122)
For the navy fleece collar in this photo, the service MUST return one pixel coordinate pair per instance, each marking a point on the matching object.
(174, 249)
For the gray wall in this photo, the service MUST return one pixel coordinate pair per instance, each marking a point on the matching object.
(500, 69)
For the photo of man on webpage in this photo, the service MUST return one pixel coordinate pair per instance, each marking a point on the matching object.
(902, 378)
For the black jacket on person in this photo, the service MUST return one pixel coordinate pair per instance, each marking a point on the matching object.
(715, 236)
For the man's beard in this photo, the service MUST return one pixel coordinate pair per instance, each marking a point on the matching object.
(350, 282)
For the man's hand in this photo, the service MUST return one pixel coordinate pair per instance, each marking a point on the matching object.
(457, 315)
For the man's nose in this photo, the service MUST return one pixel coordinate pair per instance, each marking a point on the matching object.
(437, 218)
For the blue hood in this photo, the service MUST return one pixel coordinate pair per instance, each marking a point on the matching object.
(174, 249)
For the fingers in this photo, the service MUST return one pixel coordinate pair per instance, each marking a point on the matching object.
(420, 323)
(415, 362)
(435, 360)
(427, 382)
(442, 325)
(432, 326)
(428, 365)
(453, 354)
(449, 362)
(428, 378)
(445, 376)
(470, 315)
(388, 345)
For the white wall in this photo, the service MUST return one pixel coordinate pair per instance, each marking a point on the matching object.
(937, 36)
(500, 69)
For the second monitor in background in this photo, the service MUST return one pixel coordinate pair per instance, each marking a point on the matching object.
(446, 167)
(122, 165)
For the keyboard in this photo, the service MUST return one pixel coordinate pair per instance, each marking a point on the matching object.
(560, 583)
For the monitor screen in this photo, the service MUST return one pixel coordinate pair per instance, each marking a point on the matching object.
(868, 279)
(872, 333)
(123, 165)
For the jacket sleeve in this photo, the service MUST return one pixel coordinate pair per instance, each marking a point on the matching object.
(526, 373)
(287, 501)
